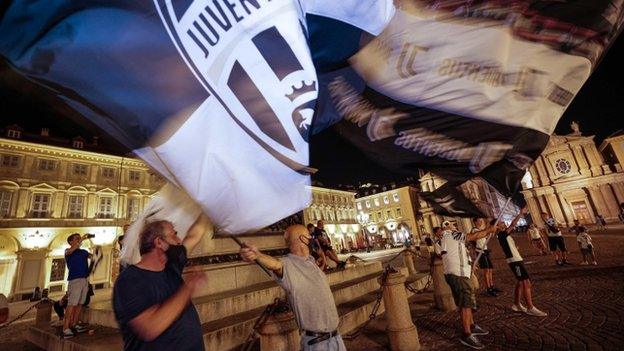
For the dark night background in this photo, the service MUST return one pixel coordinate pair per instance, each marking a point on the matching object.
(596, 108)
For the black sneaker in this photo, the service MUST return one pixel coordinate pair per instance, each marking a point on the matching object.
(566, 263)
(80, 328)
(341, 265)
(559, 263)
(496, 289)
(477, 330)
(491, 292)
(471, 341)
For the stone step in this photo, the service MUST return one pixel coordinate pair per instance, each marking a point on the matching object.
(225, 334)
(346, 284)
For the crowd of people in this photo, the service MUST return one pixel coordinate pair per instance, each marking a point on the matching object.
(152, 301)
(463, 253)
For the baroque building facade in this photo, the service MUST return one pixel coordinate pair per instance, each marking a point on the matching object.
(336, 208)
(48, 192)
(392, 215)
(571, 181)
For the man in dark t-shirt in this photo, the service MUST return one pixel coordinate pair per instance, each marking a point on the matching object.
(152, 302)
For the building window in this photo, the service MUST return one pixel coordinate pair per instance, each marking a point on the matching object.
(388, 214)
(78, 144)
(5, 203)
(563, 166)
(359, 205)
(367, 204)
(10, 160)
(338, 216)
(133, 208)
(15, 134)
(47, 165)
(76, 206)
(57, 273)
(134, 176)
(376, 202)
(106, 207)
(108, 172)
(398, 212)
(80, 169)
(379, 216)
(395, 197)
(41, 205)
(386, 200)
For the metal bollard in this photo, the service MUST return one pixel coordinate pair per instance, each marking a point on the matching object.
(280, 333)
(441, 291)
(401, 330)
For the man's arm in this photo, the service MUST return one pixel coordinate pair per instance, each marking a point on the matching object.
(75, 246)
(155, 320)
(196, 232)
(250, 253)
(481, 233)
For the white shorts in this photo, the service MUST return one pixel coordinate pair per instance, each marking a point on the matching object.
(77, 290)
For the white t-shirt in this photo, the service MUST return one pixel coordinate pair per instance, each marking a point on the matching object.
(584, 239)
(481, 244)
(552, 228)
(455, 257)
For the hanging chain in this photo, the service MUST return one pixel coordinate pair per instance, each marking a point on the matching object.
(35, 305)
(278, 305)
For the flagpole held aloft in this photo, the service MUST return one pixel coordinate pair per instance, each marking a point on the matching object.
(500, 215)
(242, 244)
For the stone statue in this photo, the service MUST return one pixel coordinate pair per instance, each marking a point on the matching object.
(576, 130)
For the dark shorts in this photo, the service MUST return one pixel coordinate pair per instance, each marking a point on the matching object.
(518, 270)
(587, 251)
(556, 242)
(326, 248)
(463, 292)
(485, 262)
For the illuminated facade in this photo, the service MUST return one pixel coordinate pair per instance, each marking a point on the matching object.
(337, 210)
(570, 180)
(49, 192)
(392, 214)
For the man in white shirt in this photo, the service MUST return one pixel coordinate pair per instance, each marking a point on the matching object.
(516, 263)
(556, 243)
(485, 262)
(457, 272)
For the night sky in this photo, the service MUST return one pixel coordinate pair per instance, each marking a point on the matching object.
(597, 108)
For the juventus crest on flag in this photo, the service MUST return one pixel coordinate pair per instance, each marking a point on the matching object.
(221, 96)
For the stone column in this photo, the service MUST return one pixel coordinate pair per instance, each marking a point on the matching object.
(401, 330)
(408, 259)
(618, 188)
(555, 209)
(582, 160)
(567, 211)
(611, 204)
(280, 333)
(442, 295)
(597, 201)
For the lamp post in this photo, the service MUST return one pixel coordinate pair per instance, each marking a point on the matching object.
(362, 219)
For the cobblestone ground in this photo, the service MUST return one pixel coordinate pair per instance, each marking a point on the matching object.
(12, 338)
(585, 305)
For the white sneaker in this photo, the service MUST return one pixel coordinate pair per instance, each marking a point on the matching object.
(535, 312)
(595, 263)
(518, 308)
(584, 263)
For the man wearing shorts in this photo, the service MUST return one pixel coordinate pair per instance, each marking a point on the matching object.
(485, 262)
(556, 243)
(457, 272)
(321, 235)
(77, 286)
(516, 263)
(535, 239)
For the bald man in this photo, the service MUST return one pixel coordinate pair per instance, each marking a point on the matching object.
(307, 288)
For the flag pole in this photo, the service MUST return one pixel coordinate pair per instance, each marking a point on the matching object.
(241, 244)
(500, 216)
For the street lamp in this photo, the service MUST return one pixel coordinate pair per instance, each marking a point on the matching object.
(363, 218)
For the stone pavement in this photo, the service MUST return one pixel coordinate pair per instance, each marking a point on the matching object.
(585, 305)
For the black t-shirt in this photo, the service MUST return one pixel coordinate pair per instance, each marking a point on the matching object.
(137, 289)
